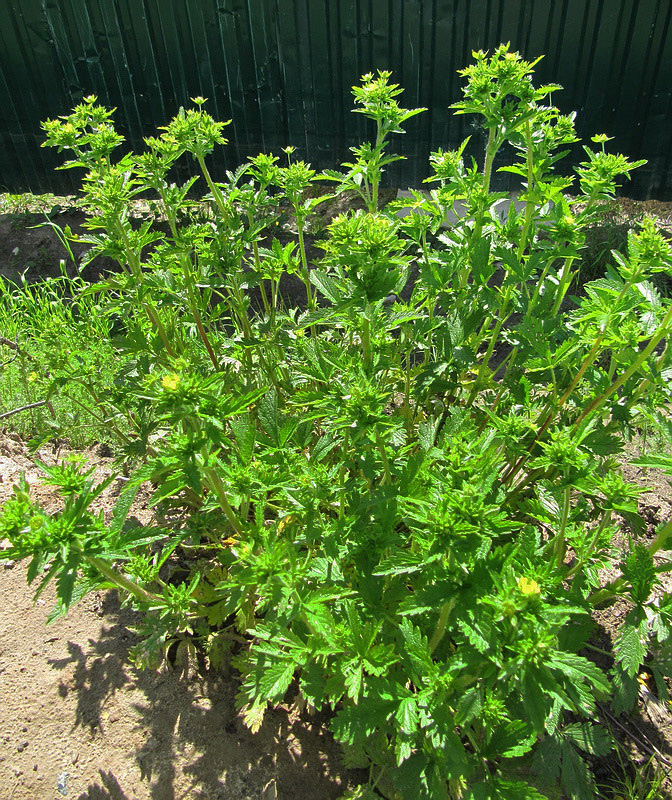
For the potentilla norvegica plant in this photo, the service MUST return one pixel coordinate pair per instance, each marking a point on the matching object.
(402, 512)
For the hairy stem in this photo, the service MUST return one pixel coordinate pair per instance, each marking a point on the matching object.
(441, 625)
(121, 581)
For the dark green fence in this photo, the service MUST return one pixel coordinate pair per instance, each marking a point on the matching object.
(282, 70)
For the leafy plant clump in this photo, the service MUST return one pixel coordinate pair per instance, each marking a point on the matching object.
(56, 357)
(397, 509)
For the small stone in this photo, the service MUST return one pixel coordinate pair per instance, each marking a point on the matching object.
(62, 783)
(74, 757)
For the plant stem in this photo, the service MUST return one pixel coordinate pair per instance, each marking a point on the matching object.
(598, 402)
(529, 203)
(490, 152)
(27, 407)
(375, 177)
(304, 265)
(560, 548)
(133, 260)
(554, 411)
(441, 625)
(383, 455)
(341, 475)
(606, 519)
(192, 300)
(503, 316)
(214, 189)
(262, 283)
(366, 343)
(119, 580)
(218, 488)
(102, 419)
(565, 280)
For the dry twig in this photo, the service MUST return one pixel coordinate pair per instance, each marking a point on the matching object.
(23, 408)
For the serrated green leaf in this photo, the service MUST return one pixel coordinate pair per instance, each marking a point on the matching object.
(234, 405)
(353, 682)
(547, 760)
(469, 706)
(403, 749)
(591, 739)
(478, 638)
(123, 506)
(575, 775)
(65, 581)
(410, 778)
(407, 715)
(403, 562)
(577, 667)
(267, 412)
(355, 724)
(245, 435)
(502, 789)
(253, 716)
(332, 289)
(638, 568)
(427, 434)
(218, 613)
(512, 740)
(275, 680)
(321, 449)
(630, 646)
(455, 753)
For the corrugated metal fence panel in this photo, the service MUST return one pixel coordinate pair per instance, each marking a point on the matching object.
(282, 70)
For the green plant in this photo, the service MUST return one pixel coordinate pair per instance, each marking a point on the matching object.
(56, 351)
(640, 783)
(375, 98)
(403, 510)
(27, 203)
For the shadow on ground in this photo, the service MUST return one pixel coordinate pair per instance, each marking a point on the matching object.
(188, 739)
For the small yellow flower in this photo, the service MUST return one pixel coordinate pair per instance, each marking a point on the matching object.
(285, 521)
(528, 587)
(32, 377)
(171, 382)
